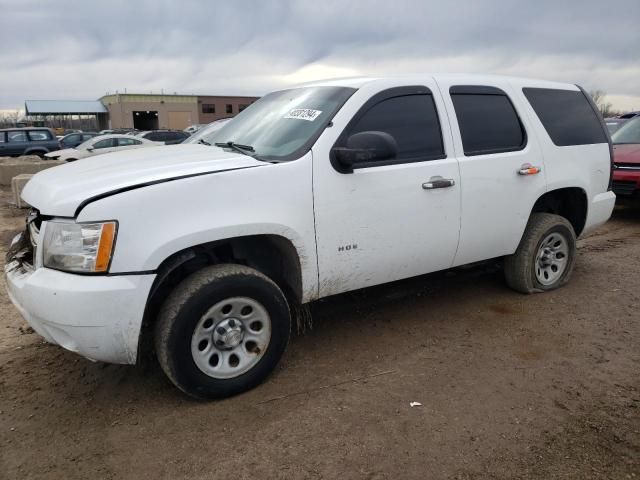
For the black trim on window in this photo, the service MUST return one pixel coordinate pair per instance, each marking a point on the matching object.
(595, 109)
(374, 100)
(487, 90)
(475, 90)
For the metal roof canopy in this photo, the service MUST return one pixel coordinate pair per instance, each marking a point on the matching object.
(64, 107)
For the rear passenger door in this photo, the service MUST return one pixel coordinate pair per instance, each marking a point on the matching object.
(501, 168)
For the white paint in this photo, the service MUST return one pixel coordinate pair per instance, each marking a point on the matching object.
(369, 227)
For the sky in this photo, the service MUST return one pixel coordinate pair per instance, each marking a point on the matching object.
(64, 49)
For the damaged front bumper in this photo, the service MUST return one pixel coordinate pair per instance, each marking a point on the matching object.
(98, 317)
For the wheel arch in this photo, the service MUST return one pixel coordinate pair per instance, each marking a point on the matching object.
(568, 202)
(273, 255)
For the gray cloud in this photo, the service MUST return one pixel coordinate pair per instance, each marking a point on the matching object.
(79, 49)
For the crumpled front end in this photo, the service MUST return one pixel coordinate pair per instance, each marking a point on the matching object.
(97, 316)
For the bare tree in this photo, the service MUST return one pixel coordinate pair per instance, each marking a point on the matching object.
(600, 99)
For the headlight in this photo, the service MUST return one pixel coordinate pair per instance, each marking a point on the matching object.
(78, 247)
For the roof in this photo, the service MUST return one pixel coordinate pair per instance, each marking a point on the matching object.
(52, 107)
(415, 79)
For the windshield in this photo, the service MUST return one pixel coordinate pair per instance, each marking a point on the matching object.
(628, 132)
(207, 130)
(283, 125)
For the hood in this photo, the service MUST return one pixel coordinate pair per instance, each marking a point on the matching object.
(626, 153)
(57, 153)
(59, 191)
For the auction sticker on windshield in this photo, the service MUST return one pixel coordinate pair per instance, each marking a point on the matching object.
(304, 114)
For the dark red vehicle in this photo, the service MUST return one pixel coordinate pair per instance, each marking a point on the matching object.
(626, 160)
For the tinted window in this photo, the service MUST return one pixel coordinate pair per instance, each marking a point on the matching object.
(567, 116)
(106, 143)
(124, 142)
(229, 108)
(39, 135)
(16, 137)
(412, 120)
(155, 136)
(72, 139)
(87, 136)
(2, 137)
(488, 123)
(208, 108)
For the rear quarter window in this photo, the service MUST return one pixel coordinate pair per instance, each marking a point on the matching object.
(39, 135)
(567, 116)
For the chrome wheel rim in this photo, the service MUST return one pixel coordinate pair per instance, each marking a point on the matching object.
(231, 337)
(552, 258)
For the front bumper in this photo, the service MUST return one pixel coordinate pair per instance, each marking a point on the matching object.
(98, 317)
(626, 182)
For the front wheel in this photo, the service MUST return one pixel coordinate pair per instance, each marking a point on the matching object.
(222, 331)
(545, 257)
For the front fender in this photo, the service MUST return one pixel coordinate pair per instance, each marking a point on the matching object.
(157, 221)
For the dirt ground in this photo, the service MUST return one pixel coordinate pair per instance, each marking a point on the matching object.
(511, 386)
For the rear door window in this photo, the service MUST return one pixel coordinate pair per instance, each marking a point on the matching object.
(412, 120)
(567, 116)
(488, 121)
(16, 137)
(125, 142)
(106, 143)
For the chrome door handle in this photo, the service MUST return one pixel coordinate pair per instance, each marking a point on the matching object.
(438, 182)
(528, 169)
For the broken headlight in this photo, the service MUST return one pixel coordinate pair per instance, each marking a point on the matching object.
(78, 247)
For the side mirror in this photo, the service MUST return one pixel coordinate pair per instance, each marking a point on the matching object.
(90, 149)
(365, 147)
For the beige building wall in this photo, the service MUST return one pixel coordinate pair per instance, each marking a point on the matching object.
(174, 111)
(224, 107)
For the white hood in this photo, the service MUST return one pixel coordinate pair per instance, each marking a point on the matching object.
(58, 191)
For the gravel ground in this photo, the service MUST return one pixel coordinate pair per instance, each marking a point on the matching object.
(511, 386)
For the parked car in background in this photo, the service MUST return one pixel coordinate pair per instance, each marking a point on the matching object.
(101, 144)
(194, 128)
(614, 123)
(168, 137)
(72, 140)
(207, 130)
(27, 141)
(205, 250)
(626, 160)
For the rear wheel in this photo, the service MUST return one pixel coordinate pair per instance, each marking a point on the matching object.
(222, 331)
(545, 257)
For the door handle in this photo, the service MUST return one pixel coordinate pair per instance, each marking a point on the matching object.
(528, 169)
(438, 182)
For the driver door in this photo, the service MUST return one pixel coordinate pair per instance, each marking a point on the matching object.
(385, 220)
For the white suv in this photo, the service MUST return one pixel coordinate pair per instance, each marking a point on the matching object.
(204, 250)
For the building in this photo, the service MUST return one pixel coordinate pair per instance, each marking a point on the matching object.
(133, 110)
(154, 111)
(87, 115)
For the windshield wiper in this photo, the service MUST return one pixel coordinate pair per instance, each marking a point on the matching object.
(243, 149)
(204, 142)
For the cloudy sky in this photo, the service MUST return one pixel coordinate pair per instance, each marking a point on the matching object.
(63, 49)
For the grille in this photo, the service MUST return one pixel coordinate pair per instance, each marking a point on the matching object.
(23, 252)
(624, 187)
(627, 166)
